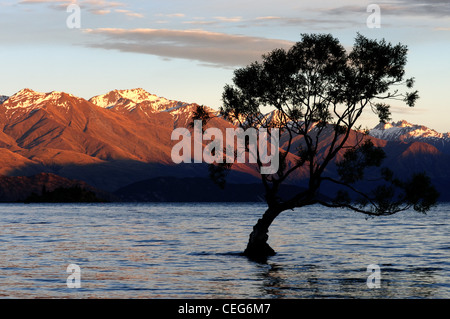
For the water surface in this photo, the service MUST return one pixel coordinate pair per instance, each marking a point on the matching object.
(193, 251)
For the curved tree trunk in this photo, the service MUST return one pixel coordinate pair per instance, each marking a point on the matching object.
(257, 247)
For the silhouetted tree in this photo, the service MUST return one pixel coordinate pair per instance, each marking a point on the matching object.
(319, 91)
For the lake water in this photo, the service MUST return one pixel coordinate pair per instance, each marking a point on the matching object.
(192, 251)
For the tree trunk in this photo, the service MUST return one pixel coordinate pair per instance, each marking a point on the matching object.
(257, 247)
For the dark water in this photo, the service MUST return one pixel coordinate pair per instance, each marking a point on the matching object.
(192, 251)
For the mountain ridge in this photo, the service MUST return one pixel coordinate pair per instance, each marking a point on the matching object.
(127, 139)
(407, 132)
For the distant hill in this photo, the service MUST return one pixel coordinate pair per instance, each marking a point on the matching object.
(71, 194)
(21, 188)
(172, 189)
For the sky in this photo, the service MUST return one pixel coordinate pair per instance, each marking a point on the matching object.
(188, 50)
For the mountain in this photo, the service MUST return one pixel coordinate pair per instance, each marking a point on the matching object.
(139, 104)
(107, 147)
(34, 121)
(28, 99)
(129, 99)
(410, 133)
(417, 148)
(120, 142)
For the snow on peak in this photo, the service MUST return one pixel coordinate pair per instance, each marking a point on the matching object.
(387, 126)
(129, 99)
(404, 124)
(138, 95)
(404, 131)
(25, 98)
(123, 97)
(29, 99)
(383, 126)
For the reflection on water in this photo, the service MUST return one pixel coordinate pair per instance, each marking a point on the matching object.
(193, 251)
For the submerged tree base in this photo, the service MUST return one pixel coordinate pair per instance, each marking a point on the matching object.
(259, 252)
(257, 248)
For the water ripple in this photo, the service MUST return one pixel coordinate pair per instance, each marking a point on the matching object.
(195, 251)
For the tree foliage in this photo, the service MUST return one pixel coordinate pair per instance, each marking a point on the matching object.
(319, 89)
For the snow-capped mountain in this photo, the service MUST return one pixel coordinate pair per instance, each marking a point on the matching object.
(129, 99)
(24, 99)
(407, 132)
(138, 103)
(111, 147)
(31, 100)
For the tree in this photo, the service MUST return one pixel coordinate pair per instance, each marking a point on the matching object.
(319, 91)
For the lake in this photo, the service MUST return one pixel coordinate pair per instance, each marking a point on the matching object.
(188, 250)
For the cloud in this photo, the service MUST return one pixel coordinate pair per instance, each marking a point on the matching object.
(229, 19)
(268, 18)
(101, 12)
(45, 1)
(212, 48)
(98, 7)
(201, 22)
(56, 4)
(399, 8)
(323, 23)
(171, 15)
(130, 13)
(319, 22)
(213, 21)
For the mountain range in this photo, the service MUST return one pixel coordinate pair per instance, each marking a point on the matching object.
(409, 133)
(120, 142)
